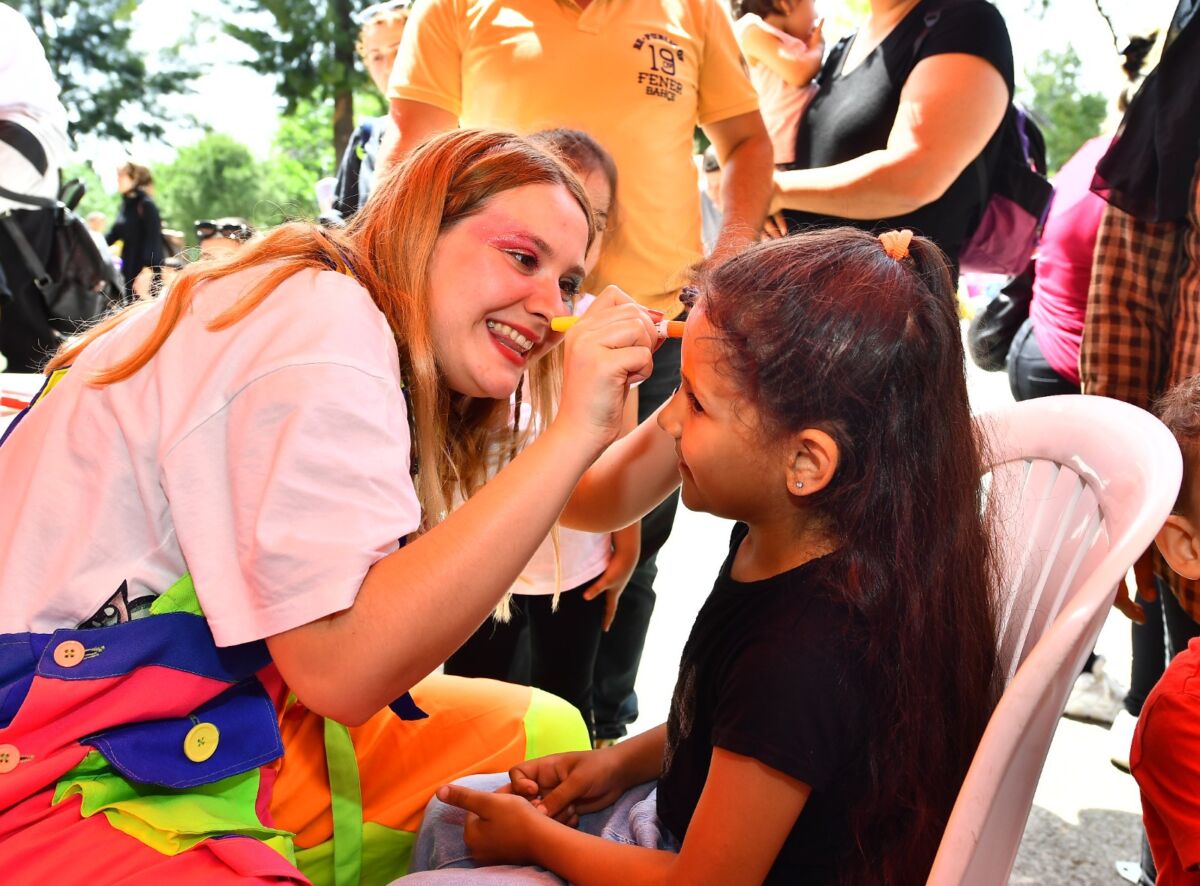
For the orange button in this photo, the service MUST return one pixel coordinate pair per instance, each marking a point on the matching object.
(68, 653)
(9, 758)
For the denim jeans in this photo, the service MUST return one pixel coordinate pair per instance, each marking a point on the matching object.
(442, 858)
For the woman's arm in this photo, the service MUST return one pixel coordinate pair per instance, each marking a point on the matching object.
(745, 814)
(417, 605)
(635, 474)
(950, 107)
(795, 67)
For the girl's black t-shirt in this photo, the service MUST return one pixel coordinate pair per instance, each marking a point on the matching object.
(852, 114)
(772, 670)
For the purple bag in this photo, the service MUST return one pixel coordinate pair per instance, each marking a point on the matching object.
(1018, 196)
(1015, 195)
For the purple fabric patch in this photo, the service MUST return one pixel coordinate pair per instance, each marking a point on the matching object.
(1004, 241)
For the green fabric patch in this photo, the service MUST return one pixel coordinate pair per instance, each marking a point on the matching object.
(167, 820)
(553, 726)
(386, 854)
(345, 793)
(179, 597)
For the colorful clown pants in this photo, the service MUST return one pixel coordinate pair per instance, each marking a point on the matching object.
(142, 752)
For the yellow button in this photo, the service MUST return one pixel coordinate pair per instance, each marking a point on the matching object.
(68, 654)
(9, 758)
(201, 742)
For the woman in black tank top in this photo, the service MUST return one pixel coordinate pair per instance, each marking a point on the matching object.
(905, 107)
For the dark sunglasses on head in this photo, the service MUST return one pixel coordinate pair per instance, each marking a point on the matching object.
(206, 229)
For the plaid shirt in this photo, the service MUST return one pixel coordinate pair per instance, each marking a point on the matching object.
(1142, 332)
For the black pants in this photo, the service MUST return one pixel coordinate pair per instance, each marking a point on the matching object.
(613, 698)
(1029, 375)
(552, 650)
(1164, 635)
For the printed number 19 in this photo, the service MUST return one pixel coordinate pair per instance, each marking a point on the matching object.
(663, 55)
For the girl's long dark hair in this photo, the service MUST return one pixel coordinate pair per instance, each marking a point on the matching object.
(825, 330)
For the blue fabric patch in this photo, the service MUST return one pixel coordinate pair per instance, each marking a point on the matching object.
(406, 709)
(19, 654)
(153, 752)
(177, 640)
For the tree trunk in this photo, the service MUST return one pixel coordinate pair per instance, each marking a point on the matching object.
(343, 121)
(343, 96)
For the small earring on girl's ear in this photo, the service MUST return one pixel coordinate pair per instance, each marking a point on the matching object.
(799, 484)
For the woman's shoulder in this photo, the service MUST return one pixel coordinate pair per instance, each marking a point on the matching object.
(963, 18)
(312, 315)
(969, 27)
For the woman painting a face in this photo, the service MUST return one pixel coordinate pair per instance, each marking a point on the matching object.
(259, 439)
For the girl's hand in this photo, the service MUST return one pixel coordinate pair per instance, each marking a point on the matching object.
(627, 546)
(500, 828)
(571, 784)
(606, 352)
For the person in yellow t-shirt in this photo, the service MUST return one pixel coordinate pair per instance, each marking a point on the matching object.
(638, 76)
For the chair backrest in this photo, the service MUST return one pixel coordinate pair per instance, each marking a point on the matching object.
(1078, 488)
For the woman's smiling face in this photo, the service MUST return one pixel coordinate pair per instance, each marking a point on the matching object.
(496, 280)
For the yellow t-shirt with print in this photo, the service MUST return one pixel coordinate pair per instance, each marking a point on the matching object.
(636, 75)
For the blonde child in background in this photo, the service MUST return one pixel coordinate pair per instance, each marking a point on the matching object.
(550, 639)
(783, 46)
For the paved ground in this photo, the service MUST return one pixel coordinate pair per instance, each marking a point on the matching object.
(1086, 814)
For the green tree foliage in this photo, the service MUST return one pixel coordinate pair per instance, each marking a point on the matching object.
(1068, 116)
(108, 88)
(308, 46)
(96, 198)
(217, 176)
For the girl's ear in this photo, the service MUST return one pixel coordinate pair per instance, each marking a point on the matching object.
(1180, 546)
(812, 461)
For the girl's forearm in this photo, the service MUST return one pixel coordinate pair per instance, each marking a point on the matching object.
(633, 475)
(642, 756)
(586, 860)
(416, 605)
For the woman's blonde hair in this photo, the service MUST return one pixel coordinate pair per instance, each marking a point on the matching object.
(387, 247)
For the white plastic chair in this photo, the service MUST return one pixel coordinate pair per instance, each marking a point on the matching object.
(1078, 488)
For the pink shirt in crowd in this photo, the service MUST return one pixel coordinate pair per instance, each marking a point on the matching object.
(782, 103)
(1064, 260)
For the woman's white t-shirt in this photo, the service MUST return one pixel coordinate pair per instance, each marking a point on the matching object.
(269, 459)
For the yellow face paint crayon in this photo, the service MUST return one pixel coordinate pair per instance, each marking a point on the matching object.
(666, 328)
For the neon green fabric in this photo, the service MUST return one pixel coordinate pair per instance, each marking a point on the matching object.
(179, 597)
(345, 793)
(552, 726)
(386, 854)
(168, 820)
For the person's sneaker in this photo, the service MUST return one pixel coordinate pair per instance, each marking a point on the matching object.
(1095, 697)
(1120, 739)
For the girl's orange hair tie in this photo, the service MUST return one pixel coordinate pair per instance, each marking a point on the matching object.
(895, 243)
